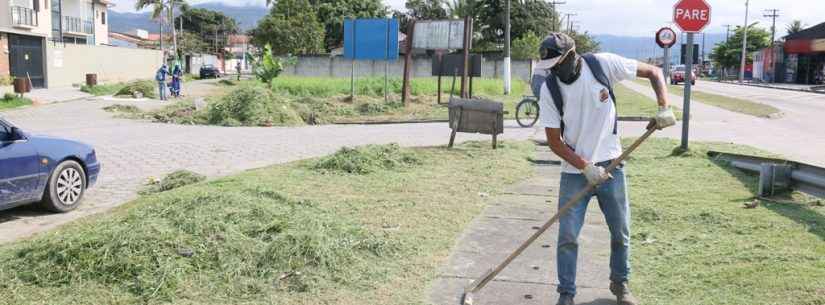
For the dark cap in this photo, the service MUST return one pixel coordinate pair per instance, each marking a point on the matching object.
(556, 44)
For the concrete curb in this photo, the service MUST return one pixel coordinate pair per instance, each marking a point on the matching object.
(773, 87)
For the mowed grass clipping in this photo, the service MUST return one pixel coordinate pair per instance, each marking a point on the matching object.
(287, 234)
(374, 86)
(695, 243)
(722, 101)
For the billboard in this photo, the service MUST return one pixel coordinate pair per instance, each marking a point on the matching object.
(371, 39)
(439, 35)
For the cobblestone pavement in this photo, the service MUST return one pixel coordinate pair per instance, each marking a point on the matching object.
(131, 151)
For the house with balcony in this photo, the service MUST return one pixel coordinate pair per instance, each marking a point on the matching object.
(27, 26)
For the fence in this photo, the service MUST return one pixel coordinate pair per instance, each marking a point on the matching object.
(324, 65)
(68, 64)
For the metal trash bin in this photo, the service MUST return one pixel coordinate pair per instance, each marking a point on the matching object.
(22, 85)
(91, 79)
(476, 116)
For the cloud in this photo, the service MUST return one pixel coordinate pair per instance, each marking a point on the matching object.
(639, 17)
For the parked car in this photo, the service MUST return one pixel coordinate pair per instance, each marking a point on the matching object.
(54, 173)
(678, 76)
(210, 71)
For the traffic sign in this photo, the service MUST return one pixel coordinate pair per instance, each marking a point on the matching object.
(692, 16)
(666, 37)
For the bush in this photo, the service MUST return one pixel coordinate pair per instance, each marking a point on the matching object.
(251, 106)
(11, 100)
(147, 88)
(172, 181)
(368, 159)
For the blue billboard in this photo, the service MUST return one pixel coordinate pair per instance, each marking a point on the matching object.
(371, 39)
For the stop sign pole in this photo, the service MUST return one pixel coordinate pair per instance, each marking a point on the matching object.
(692, 16)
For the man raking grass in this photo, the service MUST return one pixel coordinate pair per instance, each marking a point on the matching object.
(578, 112)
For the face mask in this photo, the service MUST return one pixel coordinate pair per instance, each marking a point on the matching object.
(569, 69)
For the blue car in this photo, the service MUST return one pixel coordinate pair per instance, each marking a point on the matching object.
(54, 173)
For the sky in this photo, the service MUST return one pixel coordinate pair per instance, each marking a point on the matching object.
(638, 17)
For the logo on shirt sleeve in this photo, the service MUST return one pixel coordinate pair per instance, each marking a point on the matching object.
(604, 95)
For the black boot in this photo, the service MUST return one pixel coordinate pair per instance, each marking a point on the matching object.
(565, 299)
(622, 293)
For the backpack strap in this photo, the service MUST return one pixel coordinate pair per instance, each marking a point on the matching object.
(555, 92)
(601, 77)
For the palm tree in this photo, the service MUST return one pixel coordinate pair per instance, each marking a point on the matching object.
(158, 7)
(795, 27)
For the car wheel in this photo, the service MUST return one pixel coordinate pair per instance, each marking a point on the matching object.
(65, 188)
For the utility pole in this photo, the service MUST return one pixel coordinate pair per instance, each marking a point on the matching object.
(744, 45)
(773, 14)
(507, 49)
(570, 21)
(555, 13)
(727, 32)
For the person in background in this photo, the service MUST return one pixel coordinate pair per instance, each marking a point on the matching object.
(177, 78)
(160, 77)
(238, 68)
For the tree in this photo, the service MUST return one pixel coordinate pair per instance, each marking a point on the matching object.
(158, 9)
(526, 16)
(795, 26)
(526, 47)
(210, 26)
(426, 9)
(728, 54)
(331, 14)
(585, 43)
(291, 28)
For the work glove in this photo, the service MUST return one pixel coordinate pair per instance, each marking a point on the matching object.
(595, 174)
(665, 118)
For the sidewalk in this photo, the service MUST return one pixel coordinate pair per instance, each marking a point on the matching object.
(531, 278)
(789, 87)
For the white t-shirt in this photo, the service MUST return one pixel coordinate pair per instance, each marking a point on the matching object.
(589, 112)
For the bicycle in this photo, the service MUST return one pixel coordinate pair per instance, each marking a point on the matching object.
(527, 111)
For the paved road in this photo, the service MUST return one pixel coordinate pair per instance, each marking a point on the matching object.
(131, 151)
(796, 135)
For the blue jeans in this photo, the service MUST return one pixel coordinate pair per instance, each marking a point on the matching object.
(613, 201)
(162, 90)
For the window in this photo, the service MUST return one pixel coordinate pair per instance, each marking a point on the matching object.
(36, 5)
(103, 18)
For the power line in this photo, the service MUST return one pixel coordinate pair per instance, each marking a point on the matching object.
(773, 14)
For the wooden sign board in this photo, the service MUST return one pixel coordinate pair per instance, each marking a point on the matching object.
(453, 65)
(439, 35)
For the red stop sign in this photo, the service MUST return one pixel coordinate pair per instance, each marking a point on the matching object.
(691, 15)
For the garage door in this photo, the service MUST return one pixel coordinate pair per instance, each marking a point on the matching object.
(26, 58)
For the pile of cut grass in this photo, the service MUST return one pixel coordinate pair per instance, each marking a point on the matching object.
(103, 89)
(286, 234)
(368, 159)
(173, 180)
(10, 101)
(146, 88)
(252, 106)
(120, 108)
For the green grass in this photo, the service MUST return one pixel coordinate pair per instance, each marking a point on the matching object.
(722, 101)
(374, 86)
(101, 90)
(11, 101)
(694, 243)
(632, 103)
(287, 234)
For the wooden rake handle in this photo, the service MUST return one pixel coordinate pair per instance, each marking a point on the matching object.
(491, 274)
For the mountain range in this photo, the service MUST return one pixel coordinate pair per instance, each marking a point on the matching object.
(248, 17)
